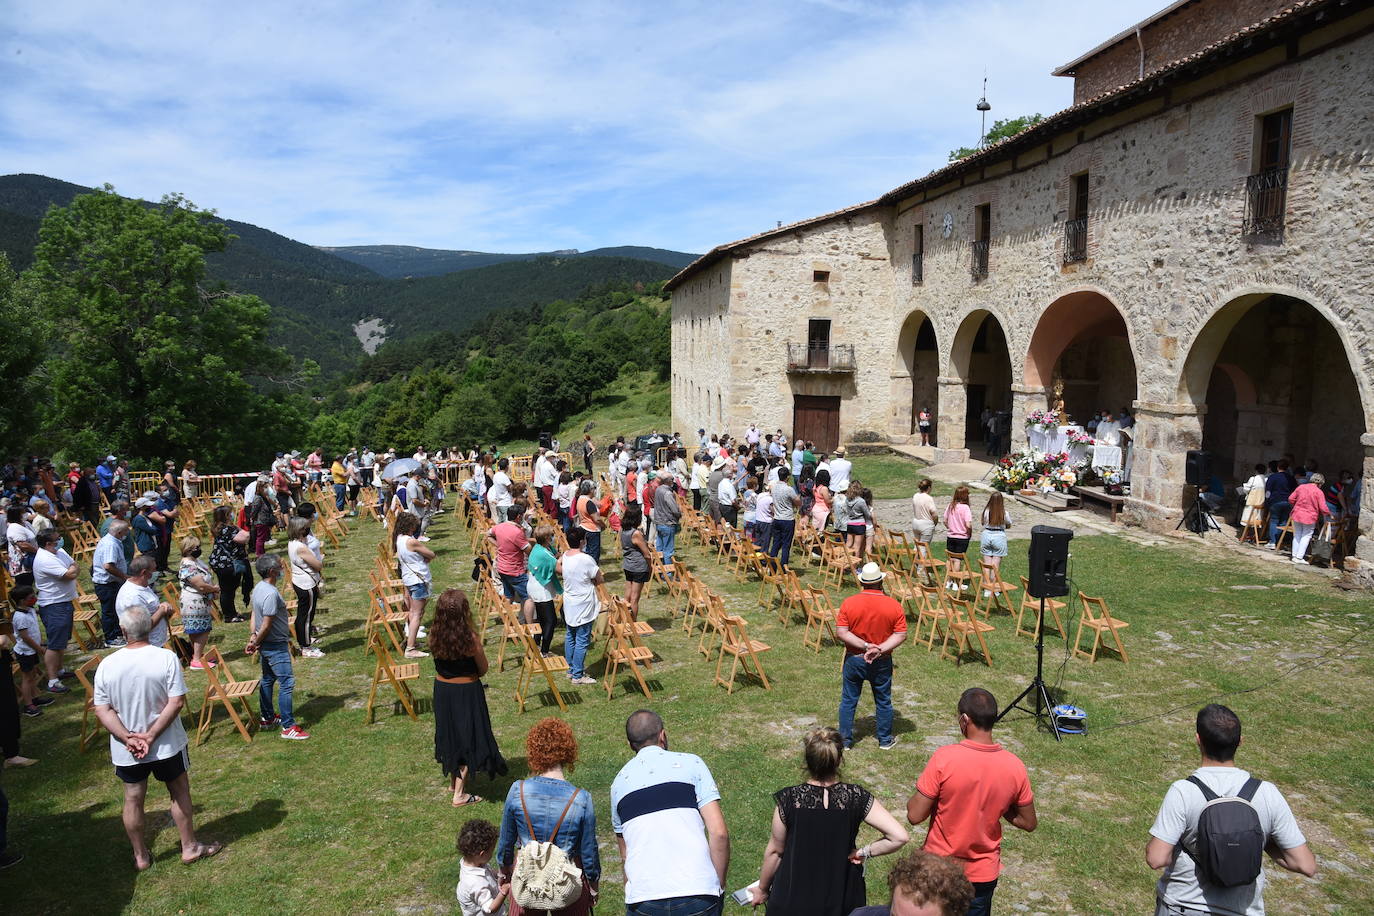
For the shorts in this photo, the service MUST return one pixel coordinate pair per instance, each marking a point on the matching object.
(858, 528)
(164, 770)
(956, 545)
(924, 529)
(418, 591)
(515, 587)
(640, 577)
(993, 543)
(57, 624)
(26, 662)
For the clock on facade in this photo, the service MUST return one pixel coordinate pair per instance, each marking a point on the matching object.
(947, 224)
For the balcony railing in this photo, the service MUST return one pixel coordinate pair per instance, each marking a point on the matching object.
(807, 358)
(918, 267)
(1266, 194)
(979, 265)
(1076, 240)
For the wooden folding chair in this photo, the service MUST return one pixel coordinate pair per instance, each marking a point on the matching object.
(1253, 530)
(86, 675)
(535, 663)
(958, 574)
(820, 617)
(933, 611)
(85, 621)
(770, 580)
(743, 651)
(793, 596)
(965, 627)
(230, 691)
(622, 650)
(512, 630)
(904, 589)
(1097, 618)
(994, 591)
(395, 675)
(1285, 530)
(1031, 605)
(925, 561)
(713, 625)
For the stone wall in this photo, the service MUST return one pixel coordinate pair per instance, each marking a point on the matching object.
(701, 354)
(1165, 249)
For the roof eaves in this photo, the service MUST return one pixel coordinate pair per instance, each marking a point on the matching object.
(1067, 69)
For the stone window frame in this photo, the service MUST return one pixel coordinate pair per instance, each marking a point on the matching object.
(1075, 163)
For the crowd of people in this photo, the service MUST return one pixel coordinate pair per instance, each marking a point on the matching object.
(1283, 492)
(667, 813)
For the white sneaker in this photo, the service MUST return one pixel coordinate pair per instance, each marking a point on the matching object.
(312, 652)
(585, 680)
(1299, 561)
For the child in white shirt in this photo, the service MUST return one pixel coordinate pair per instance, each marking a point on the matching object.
(480, 892)
(28, 649)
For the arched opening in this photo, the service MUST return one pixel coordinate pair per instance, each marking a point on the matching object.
(915, 378)
(1081, 352)
(979, 359)
(1276, 381)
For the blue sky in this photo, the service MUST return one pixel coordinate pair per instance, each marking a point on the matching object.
(523, 126)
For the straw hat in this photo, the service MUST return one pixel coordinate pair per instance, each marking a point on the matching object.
(871, 574)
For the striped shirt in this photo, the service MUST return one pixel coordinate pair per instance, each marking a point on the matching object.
(655, 805)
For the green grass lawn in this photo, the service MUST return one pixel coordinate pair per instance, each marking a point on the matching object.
(892, 476)
(357, 819)
(633, 405)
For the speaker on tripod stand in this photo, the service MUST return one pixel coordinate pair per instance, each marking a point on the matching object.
(1048, 578)
(1197, 472)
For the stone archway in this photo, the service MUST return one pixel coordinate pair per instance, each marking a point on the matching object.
(1082, 344)
(915, 378)
(978, 377)
(1271, 375)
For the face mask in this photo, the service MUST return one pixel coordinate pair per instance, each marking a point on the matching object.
(193, 553)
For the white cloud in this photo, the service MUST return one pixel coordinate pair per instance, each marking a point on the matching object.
(523, 127)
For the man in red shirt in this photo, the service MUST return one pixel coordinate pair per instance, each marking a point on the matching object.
(966, 790)
(871, 625)
(512, 560)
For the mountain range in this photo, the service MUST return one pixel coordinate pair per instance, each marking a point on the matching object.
(319, 295)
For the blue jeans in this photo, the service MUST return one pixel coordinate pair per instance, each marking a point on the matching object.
(982, 898)
(1278, 515)
(575, 649)
(665, 541)
(592, 547)
(109, 620)
(780, 545)
(879, 676)
(339, 491)
(702, 905)
(276, 669)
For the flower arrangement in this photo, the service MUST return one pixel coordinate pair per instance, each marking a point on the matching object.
(1042, 419)
(1031, 470)
(1079, 437)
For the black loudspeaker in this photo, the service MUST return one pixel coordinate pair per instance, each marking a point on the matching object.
(1198, 470)
(546, 440)
(1049, 562)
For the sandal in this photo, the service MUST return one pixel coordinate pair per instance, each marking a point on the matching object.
(469, 799)
(207, 851)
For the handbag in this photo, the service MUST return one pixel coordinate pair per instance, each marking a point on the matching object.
(1320, 548)
(544, 878)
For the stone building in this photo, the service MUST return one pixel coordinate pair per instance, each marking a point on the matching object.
(1191, 238)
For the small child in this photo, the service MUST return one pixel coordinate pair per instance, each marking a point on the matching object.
(480, 892)
(28, 650)
(749, 503)
(763, 519)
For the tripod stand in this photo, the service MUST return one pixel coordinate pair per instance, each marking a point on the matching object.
(1197, 519)
(1042, 708)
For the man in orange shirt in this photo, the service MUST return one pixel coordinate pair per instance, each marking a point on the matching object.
(871, 625)
(966, 790)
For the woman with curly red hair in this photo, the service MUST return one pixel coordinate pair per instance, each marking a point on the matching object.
(463, 740)
(557, 810)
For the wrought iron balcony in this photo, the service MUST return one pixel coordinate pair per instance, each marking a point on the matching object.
(979, 265)
(1076, 240)
(806, 358)
(918, 267)
(1266, 196)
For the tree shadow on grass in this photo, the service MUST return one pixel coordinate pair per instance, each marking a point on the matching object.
(265, 814)
(317, 708)
(106, 859)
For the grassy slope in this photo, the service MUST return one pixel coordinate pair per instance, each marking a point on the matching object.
(359, 813)
(632, 405)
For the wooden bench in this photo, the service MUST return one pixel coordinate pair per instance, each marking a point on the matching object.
(1098, 494)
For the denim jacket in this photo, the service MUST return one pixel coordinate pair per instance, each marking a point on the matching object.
(544, 799)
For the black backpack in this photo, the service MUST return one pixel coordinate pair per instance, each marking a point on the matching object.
(1229, 847)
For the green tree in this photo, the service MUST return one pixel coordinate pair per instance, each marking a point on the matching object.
(22, 350)
(148, 361)
(1001, 130)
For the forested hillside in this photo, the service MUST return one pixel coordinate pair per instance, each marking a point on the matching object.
(316, 298)
(400, 261)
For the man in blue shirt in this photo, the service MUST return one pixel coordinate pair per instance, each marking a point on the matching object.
(1277, 489)
(104, 473)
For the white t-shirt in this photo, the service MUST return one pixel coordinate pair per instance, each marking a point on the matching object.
(1177, 821)
(25, 621)
(726, 493)
(839, 474)
(131, 594)
(14, 533)
(477, 888)
(302, 576)
(566, 491)
(580, 604)
(500, 490)
(48, 569)
(414, 568)
(136, 684)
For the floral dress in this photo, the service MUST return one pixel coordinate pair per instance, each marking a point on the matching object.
(195, 606)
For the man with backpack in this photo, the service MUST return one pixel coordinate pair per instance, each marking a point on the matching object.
(1214, 827)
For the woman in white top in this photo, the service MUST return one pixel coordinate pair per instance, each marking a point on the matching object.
(413, 557)
(306, 576)
(924, 515)
(20, 539)
(996, 521)
(1254, 505)
(580, 575)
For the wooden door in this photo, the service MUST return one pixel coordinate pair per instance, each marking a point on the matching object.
(816, 419)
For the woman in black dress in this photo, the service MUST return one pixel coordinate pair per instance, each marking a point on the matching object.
(463, 742)
(811, 865)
